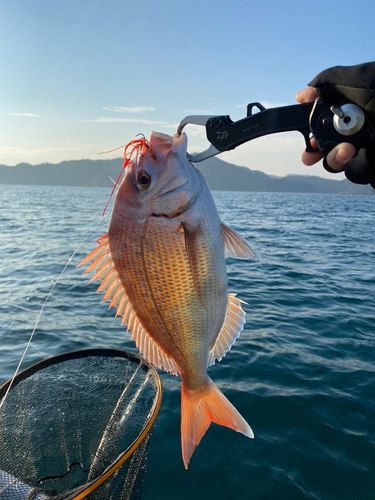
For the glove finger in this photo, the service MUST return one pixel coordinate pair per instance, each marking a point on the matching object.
(361, 168)
(328, 168)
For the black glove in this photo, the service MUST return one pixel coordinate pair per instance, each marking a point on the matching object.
(357, 84)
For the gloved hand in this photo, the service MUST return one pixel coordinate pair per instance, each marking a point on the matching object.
(357, 84)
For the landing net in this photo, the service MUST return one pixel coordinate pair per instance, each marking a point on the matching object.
(78, 425)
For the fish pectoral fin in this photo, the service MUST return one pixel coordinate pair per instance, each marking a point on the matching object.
(194, 253)
(150, 349)
(199, 408)
(235, 246)
(231, 329)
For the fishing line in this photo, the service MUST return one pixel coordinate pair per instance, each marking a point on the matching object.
(41, 311)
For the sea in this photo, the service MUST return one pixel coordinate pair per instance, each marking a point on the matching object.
(302, 373)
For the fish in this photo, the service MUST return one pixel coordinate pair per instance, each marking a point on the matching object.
(162, 265)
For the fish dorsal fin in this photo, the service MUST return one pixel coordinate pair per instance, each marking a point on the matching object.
(233, 324)
(235, 246)
(150, 349)
(102, 264)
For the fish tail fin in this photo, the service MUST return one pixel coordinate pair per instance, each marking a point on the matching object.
(200, 407)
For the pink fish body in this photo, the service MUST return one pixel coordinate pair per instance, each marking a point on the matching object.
(162, 264)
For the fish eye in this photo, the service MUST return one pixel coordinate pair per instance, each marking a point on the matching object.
(144, 180)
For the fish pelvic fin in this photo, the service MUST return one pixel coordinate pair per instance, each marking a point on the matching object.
(235, 246)
(230, 331)
(200, 407)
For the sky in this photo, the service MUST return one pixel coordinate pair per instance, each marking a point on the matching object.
(79, 77)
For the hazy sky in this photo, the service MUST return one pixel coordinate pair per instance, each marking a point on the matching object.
(78, 77)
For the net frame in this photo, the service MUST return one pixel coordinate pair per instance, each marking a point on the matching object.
(100, 352)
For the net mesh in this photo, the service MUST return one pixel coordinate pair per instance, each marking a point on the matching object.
(71, 420)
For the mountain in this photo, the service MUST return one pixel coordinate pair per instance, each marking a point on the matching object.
(220, 176)
(66, 173)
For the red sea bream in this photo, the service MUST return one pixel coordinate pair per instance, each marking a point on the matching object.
(162, 264)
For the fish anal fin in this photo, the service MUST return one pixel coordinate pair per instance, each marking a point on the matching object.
(235, 246)
(200, 407)
(151, 350)
(231, 329)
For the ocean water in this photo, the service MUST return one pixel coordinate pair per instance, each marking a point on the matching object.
(302, 373)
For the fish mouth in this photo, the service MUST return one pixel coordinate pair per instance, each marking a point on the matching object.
(184, 208)
(173, 190)
(178, 212)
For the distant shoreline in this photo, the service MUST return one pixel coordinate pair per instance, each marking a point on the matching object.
(220, 176)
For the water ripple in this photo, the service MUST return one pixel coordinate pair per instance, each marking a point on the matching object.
(302, 372)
